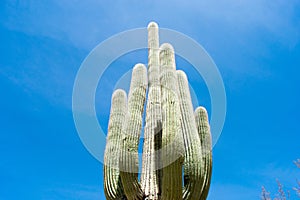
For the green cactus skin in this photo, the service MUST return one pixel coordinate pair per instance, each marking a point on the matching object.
(206, 145)
(131, 133)
(175, 137)
(193, 175)
(112, 182)
(152, 132)
(172, 141)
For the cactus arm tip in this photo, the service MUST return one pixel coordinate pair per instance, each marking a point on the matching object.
(152, 25)
(167, 47)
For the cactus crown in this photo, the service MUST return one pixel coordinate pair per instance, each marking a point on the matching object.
(175, 137)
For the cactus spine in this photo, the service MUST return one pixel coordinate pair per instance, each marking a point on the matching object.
(175, 137)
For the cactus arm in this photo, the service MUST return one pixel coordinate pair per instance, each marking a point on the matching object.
(172, 141)
(131, 133)
(152, 132)
(206, 144)
(113, 188)
(193, 158)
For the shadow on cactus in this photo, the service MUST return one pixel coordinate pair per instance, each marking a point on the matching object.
(175, 136)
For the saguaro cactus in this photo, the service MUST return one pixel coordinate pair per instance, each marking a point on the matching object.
(177, 141)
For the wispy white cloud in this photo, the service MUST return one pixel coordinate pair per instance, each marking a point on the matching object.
(40, 65)
(87, 23)
(78, 23)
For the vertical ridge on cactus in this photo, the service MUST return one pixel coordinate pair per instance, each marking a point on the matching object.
(175, 137)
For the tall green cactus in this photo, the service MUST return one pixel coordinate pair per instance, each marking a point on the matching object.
(175, 137)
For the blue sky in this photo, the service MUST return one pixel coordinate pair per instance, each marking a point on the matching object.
(255, 44)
